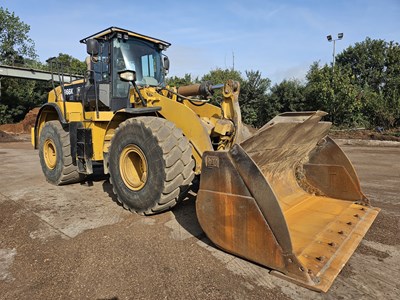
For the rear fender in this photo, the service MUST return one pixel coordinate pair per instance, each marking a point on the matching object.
(48, 112)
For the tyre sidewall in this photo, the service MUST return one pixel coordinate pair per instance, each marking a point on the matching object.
(49, 131)
(137, 134)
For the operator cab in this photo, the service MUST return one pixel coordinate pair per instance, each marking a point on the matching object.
(114, 50)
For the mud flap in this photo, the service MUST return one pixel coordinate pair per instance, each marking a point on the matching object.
(287, 198)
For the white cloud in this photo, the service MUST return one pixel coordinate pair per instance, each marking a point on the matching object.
(295, 72)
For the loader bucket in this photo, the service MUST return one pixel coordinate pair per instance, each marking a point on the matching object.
(287, 198)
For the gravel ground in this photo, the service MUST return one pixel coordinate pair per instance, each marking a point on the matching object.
(75, 242)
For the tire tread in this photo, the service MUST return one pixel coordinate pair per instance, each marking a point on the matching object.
(69, 172)
(177, 156)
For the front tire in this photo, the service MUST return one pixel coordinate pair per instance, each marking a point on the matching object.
(150, 165)
(55, 155)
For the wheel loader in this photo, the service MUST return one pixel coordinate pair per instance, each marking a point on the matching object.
(285, 197)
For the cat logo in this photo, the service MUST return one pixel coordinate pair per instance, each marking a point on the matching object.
(68, 92)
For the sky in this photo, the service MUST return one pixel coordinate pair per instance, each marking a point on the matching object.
(281, 39)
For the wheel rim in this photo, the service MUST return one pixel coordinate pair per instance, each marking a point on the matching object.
(50, 154)
(133, 167)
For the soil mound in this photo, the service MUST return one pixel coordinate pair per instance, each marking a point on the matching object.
(6, 138)
(24, 126)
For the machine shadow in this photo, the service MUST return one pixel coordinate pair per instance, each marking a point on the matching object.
(184, 212)
(107, 188)
(185, 215)
(99, 176)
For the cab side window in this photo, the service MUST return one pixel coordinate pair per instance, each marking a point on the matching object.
(120, 88)
(101, 67)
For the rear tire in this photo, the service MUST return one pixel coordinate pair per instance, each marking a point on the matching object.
(150, 164)
(55, 155)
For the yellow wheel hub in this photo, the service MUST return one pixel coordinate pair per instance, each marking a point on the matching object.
(50, 154)
(133, 167)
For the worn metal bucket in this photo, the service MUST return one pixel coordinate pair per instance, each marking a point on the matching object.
(287, 198)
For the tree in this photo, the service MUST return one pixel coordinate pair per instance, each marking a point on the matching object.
(367, 62)
(253, 100)
(331, 89)
(220, 76)
(289, 96)
(180, 81)
(15, 44)
(15, 48)
(18, 96)
(375, 66)
(255, 106)
(68, 64)
(7, 115)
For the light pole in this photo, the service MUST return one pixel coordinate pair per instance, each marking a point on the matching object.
(330, 39)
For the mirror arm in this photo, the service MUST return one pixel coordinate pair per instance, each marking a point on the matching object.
(144, 102)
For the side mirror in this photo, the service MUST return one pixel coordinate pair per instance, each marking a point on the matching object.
(166, 63)
(92, 47)
(127, 75)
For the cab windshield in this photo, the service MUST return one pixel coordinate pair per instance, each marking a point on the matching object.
(142, 57)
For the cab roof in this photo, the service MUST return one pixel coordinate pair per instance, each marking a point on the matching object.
(107, 32)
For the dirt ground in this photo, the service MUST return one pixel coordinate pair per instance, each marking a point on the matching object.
(367, 134)
(75, 242)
